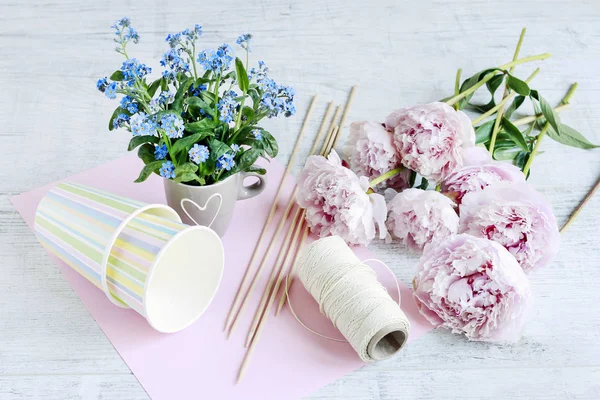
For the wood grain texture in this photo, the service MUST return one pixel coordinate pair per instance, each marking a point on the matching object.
(53, 124)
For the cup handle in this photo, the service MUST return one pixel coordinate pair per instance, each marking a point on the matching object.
(246, 192)
(203, 208)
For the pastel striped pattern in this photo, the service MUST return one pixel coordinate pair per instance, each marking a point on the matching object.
(75, 223)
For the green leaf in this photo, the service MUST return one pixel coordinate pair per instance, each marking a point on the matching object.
(148, 169)
(519, 86)
(186, 168)
(139, 140)
(146, 153)
(472, 81)
(515, 134)
(217, 148)
(494, 83)
(269, 144)
(258, 170)
(209, 97)
(186, 143)
(521, 159)
(117, 76)
(514, 106)
(186, 177)
(154, 87)
(242, 75)
(483, 132)
(204, 125)
(247, 159)
(424, 184)
(505, 153)
(183, 88)
(547, 110)
(198, 102)
(248, 112)
(570, 137)
(117, 111)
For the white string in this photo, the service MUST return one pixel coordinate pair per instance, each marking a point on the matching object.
(349, 295)
(203, 208)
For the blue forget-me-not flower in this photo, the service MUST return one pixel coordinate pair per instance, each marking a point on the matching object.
(199, 153)
(167, 170)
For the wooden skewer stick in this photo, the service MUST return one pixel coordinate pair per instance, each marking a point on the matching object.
(292, 271)
(248, 356)
(238, 298)
(345, 114)
(242, 307)
(580, 206)
(279, 263)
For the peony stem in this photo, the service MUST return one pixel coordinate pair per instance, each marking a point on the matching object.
(533, 118)
(489, 76)
(503, 102)
(496, 127)
(457, 86)
(580, 206)
(542, 133)
(385, 176)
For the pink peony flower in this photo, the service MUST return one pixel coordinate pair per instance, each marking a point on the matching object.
(430, 138)
(515, 216)
(474, 287)
(419, 217)
(336, 201)
(371, 153)
(479, 171)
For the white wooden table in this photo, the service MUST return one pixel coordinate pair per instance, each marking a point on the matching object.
(53, 124)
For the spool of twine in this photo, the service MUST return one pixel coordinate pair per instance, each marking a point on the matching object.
(351, 297)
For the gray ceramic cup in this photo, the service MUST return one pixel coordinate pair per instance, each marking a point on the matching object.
(211, 205)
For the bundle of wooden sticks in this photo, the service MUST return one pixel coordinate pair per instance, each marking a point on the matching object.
(294, 238)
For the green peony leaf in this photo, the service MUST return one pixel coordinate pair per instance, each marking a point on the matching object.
(483, 132)
(570, 137)
(514, 106)
(515, 134)
(519, 86)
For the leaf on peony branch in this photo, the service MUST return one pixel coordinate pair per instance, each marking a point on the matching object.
(424, 184)
(472, 81)
(483, 132)
(547, 110)
(514, 134)
(519, 86)
(514, 106)
(570, 137)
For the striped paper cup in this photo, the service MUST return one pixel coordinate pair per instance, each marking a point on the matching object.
(139, 254)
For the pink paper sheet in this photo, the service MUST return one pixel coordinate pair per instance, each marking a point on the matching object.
(199, 363)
